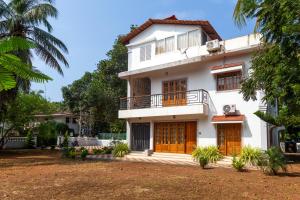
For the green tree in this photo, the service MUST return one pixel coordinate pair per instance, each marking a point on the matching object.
(96, 95)
(11, 65)
(276, 66)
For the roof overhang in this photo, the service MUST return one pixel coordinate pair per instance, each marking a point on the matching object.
(232, 67)
(188, 61)
(230, 119)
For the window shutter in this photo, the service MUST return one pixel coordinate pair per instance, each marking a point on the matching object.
(182, 41)
(194, 38)
(160, 46)
(148, 52)
(170, 44)
(142, 53)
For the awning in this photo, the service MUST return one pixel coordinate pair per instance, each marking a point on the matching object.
(227, 68)
(225, 119)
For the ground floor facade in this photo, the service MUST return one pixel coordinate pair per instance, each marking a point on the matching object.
(184, 135)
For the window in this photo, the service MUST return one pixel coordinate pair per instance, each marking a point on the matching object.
(164, 45)
(174, 92)
(203, 38)
(67, 120)
(189, 39)
(228, 81)
(74, 121)
(145, 52)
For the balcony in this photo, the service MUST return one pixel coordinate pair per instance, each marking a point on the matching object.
(192, 102)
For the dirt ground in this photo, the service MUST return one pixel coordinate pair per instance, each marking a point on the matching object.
(45, 175)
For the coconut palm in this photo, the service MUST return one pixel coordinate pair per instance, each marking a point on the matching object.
(11, 65)
(23, 18)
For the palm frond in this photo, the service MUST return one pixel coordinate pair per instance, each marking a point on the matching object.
(7, 80)
(15, 44)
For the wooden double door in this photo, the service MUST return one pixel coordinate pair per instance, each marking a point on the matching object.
(175, 137)
(174, 92)
(229, 139)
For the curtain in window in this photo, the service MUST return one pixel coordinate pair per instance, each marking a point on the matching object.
(182, 41)
(169, 44)
(194, 38)
(160, 46)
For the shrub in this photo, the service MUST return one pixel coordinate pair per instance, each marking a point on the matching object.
(29, 140)
(98, 151)
(120, 150)
(47, 133)
(205, 155)
(65, 143)
(250, 155)
(271, 161)
(84, 153)
(107, 150)
(238, 164)
(71, 152)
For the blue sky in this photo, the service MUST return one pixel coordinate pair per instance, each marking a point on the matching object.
(89, 28)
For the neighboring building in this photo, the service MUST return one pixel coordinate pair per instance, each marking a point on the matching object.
(182, 78)
(65, 117)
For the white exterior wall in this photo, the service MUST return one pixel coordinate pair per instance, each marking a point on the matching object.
(200, 77)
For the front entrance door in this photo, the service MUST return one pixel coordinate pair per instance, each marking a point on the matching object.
(140, 136)
(229, 138)
(175, 137)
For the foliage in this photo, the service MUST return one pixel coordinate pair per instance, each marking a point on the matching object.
(203, 161)
(11, 65)
(98, 151)
(250, 155)
(29, 140)
(84, 153)
(107, 150)
(206, 154)
(276, 67)
(47, 134)
(95, 97)
(271, 161)
(65, 142)
(71, 152)
(238, 164)
(120, 150)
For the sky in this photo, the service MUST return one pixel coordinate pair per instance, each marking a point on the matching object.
(90, 27)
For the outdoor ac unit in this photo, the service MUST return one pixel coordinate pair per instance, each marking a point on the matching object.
(213, 45)
(229, 109)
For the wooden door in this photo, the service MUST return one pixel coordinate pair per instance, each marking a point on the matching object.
(191, 136)
(175, 137)
(140, 136)
(174, 92)
(229, 138)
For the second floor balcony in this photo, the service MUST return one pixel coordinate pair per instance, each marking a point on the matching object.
(192, 102)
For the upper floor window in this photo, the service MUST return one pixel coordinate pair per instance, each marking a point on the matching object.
(189, 39)
(145, 52)
(165, 45)
(229, 81)
(203, 38)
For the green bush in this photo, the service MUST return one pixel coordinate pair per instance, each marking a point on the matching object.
(47, 134)
(238, 164)
(65, 142)
(120, 150)
(84, 153)
(107, 150)
(29, 140)
(250, 155)
(205, 155)
(271, 161)
(98, 151)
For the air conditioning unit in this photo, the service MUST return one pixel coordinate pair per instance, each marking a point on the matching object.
(213, 45)
(229, 109)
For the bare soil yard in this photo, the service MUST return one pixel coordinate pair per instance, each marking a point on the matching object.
(44, 175)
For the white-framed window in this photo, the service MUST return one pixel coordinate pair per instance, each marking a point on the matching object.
(189, 39)
(145, 52)
(165, 45)
(204, 38)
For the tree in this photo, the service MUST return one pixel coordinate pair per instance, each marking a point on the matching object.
(11, 65)
(96, 95)
(20, 113)
(276, 66)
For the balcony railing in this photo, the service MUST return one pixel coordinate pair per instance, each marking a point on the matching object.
(191, 97)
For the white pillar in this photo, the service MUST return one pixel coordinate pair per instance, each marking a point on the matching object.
(151, 135)
(128, 133)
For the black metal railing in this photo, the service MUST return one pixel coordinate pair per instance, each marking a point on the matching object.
(191, 97)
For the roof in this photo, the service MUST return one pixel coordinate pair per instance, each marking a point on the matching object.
(207, 27)
(228, 118)
(226, 66)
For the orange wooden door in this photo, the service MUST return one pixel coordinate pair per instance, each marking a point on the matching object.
(174, 92)
(229, 139)
(191, 136)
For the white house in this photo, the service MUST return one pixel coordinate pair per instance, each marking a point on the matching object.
(183, 89)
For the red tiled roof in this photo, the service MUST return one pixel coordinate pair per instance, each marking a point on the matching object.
(226, 65)
(207, 27)
(222, 118)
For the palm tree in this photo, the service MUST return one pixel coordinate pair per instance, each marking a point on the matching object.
(11, 65)
(22, 18)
